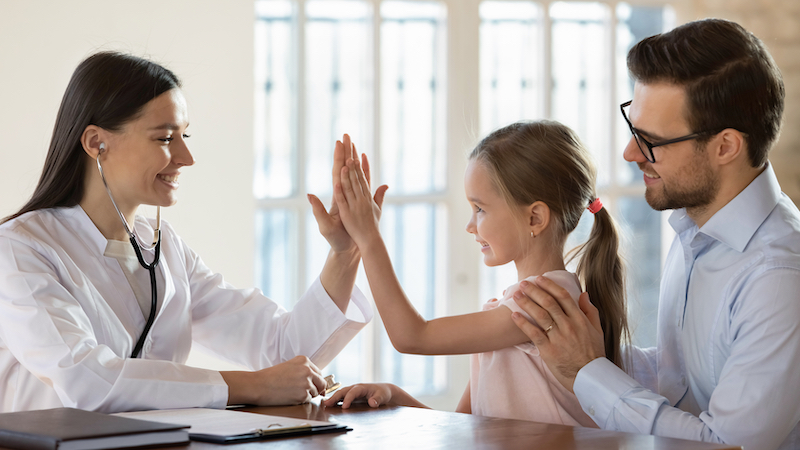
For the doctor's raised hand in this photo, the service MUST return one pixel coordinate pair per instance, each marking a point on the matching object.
(100, 306)
(330, 222)
(360, 210)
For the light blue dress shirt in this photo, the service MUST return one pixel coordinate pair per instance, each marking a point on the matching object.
(727, 363)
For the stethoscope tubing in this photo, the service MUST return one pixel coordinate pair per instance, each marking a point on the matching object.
(153, 290)
(137, 349)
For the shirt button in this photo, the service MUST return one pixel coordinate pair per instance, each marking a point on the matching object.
(683, 381)
(591, 410)
(148, 346)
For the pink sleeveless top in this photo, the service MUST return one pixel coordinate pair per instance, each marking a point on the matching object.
(515, 383)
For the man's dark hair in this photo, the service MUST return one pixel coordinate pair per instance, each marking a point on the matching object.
(731, 80)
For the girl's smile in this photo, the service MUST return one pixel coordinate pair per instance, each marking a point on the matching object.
(499, 231)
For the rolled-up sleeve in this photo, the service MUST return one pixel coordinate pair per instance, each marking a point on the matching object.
(262, 333)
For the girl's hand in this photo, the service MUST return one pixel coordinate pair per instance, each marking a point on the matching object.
(374, 394)
(359, 210)
(330, 222)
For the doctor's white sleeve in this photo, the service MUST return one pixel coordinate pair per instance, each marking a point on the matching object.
(246, 327)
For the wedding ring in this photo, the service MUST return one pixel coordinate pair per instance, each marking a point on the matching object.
(548, 329)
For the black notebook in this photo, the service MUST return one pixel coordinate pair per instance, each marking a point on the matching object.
(68, 428)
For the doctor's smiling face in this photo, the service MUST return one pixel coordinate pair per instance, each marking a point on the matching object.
(143, 160)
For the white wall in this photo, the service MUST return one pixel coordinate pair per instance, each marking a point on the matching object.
(208, 43)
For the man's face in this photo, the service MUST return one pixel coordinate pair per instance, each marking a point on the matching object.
(682, 176)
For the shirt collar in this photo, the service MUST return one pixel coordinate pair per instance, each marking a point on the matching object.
(736, 223)
(95, 238)
(92, 236)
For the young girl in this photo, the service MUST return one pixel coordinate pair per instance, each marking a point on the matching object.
(528, 184)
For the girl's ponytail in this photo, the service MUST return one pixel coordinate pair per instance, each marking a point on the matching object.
(601, 270)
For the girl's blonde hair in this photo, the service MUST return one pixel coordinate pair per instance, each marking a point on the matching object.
(545, 161)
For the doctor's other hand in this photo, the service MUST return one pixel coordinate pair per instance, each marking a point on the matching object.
(373, 394)
(289, 383)
(568, 336)
(359, 210)
(329, 221)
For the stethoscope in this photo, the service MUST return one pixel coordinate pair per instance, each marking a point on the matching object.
(156, 246)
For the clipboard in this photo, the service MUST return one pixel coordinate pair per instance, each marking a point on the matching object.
(222, 426)
(263, 434)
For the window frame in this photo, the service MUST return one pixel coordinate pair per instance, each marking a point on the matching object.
(462, 119)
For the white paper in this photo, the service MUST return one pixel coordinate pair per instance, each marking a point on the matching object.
(222, 422)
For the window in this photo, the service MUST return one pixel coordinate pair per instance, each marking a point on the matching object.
(394, 107)
(577, 75)
(416, 83)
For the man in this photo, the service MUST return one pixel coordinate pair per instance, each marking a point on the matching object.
(706, 109)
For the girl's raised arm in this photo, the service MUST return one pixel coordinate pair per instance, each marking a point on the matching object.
(407, 329)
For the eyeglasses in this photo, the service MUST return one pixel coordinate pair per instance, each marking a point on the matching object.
(647, 147)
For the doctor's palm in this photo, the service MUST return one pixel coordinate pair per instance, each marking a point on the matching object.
(330, 222)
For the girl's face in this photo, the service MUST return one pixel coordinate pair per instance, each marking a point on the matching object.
(500, 230)
(143, 160)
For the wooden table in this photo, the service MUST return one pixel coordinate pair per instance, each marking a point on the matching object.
(397, 427)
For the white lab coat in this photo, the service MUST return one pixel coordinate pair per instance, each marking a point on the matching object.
(69, 321)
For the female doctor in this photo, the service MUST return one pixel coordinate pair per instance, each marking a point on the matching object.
(80, 272)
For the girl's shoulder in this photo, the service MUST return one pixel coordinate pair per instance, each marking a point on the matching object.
(567, 280)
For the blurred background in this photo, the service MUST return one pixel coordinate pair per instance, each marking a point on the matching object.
(271, 84)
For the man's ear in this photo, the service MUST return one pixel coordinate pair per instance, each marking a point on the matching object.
(539, 217)
(91, 139)
(729, 145)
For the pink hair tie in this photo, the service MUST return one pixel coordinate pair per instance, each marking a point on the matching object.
(595, 206)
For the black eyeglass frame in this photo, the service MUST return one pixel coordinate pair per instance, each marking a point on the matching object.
(640, 140)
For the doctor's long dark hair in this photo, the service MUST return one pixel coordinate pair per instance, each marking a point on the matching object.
(107, 89)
